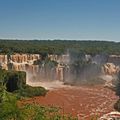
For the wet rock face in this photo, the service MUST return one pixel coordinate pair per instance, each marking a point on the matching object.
(20, 62)
(3, 58)
(24, 62)
(24, 58)
(3, 62)
(29, 63)
(110, 69)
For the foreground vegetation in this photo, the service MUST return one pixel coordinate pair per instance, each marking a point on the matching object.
(10, 109)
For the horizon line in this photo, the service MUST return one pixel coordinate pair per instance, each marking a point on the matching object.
(101, 40)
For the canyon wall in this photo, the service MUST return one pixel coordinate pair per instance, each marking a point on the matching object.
(33, 65)
(59, 67)
(24, 62)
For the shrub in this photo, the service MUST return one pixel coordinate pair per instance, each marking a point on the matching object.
(28, 91)
(14, 80)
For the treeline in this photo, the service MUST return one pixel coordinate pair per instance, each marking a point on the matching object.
(58, 46)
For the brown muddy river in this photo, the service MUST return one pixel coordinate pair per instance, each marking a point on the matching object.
(81, 101)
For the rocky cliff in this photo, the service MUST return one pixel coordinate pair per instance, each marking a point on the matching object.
(3, 61)
(20, 62)
(64, 68)
(33, 65)
(110, 69)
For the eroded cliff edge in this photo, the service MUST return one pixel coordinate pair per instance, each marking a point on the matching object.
(65, 67)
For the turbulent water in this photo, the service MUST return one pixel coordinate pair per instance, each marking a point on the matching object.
(82, 101)
(49, 85)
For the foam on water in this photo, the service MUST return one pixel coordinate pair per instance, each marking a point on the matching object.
(48, 85)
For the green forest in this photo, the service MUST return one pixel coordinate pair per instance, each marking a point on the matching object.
(58, 46)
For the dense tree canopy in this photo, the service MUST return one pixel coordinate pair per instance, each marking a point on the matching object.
(58, 46)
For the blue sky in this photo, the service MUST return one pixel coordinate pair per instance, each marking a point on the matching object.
(60, 19)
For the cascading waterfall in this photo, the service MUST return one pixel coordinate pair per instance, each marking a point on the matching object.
(55, 70)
